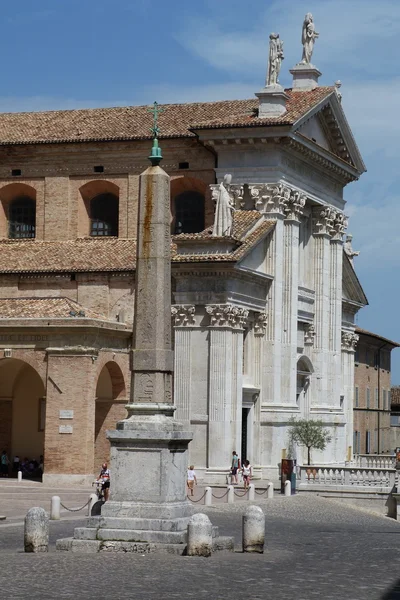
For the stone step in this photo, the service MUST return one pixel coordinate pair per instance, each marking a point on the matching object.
(179, 524)
(142, 535)
(223, 543)
(85, 533)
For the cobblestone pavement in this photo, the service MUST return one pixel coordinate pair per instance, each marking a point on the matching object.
(315, 548)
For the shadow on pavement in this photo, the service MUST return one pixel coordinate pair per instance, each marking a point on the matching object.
(393, 593)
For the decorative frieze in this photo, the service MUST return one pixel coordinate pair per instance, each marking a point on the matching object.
(349, 341)
(309, 335)
(227, 315)
(260, 324)
(183, 315)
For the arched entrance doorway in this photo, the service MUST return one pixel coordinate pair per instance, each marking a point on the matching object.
(304, 372)
(110, 408)
(22, 411)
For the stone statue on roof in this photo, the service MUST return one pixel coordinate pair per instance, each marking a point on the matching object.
(348, 248)
(224, 208)
(308, 37)
(275, 59)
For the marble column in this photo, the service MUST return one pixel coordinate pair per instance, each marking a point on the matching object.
(293, 209)
(183, 320)
(335, 318)
(323, 224)
(271, 200)
(225, 385)
(349, 342)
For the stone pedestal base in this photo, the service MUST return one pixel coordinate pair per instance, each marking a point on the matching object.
(148, 503)
(272, 101)
(305, 77)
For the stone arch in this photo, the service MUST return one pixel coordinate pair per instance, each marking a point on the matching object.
(110, 408)
(22, 409)
(105, 194)
(9, 195)
(189, 197)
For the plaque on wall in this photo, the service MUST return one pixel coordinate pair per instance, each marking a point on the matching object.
(66, 414)
(65, 429)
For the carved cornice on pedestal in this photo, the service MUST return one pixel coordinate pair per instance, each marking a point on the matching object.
(277, 199)
(309, 335)
(235, 191)
(260, 324)
(183, 315)
(339, 227)
(227, 315)
(349, 341)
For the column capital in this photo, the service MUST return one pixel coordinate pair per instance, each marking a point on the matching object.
(339, 227)
(235, 191)
(270, 198)
(329, 221)
(227, 315)
(349, 341)
(183, 315)
(294, 205)
(260, 324)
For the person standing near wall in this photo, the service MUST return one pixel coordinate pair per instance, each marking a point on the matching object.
(235, 466)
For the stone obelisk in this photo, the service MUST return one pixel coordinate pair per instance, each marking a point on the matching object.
(149, 449)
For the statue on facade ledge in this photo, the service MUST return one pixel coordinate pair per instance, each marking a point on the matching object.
(308, 37)
(348, 248)
(274, 60)
(223, 220)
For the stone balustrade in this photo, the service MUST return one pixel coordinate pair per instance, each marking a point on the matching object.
(375, 461)
(350, 478)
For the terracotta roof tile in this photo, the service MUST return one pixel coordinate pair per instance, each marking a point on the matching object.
(376, 336)
(81, 255)
(134, 122)
(44, 308)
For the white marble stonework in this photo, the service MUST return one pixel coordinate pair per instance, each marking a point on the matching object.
(272, 336)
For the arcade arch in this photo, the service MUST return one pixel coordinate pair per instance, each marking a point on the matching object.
(22, 409)
(110, 408)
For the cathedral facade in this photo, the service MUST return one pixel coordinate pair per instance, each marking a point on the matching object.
(264, 294)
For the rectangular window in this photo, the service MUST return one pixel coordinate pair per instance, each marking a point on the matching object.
(355, 442)
(376, 398)
(376, 449)
(367, 442)
(368, 398)
(356, 397)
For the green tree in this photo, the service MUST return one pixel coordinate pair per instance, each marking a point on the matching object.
(309, 433)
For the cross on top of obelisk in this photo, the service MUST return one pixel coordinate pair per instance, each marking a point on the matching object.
(155, 156)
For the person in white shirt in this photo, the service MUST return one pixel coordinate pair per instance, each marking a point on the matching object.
(104, 477)
(191, 479)
(246, 474)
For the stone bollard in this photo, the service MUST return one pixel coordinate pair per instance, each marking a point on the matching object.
(208, 496)
(252, 492)
(270, 490)
(93, 499)
(253, 530)
(199, 538)
(55, 508)
(231, 494)
(288, 488)
(19, 476)
(36, 534)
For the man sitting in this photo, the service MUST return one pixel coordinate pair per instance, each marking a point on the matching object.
(105, 478)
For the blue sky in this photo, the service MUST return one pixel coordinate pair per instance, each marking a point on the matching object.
(85, 53)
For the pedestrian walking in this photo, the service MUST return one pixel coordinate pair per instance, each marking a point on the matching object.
(191, 479)
(4, 462)
(246, 474)
(235, 466)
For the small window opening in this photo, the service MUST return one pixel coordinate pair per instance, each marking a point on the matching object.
(16, 172)
(98, 169)
(184, 165)
(189, 213)
(104, 215)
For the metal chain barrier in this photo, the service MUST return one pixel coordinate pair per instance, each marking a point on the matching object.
(260, 493)
(194, 501)
(75, 509)
(240, 495)
(220, 497)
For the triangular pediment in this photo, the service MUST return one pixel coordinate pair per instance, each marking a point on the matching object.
(351, 286)
(327, 127)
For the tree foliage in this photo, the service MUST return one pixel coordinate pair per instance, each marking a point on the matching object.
(309, 433)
